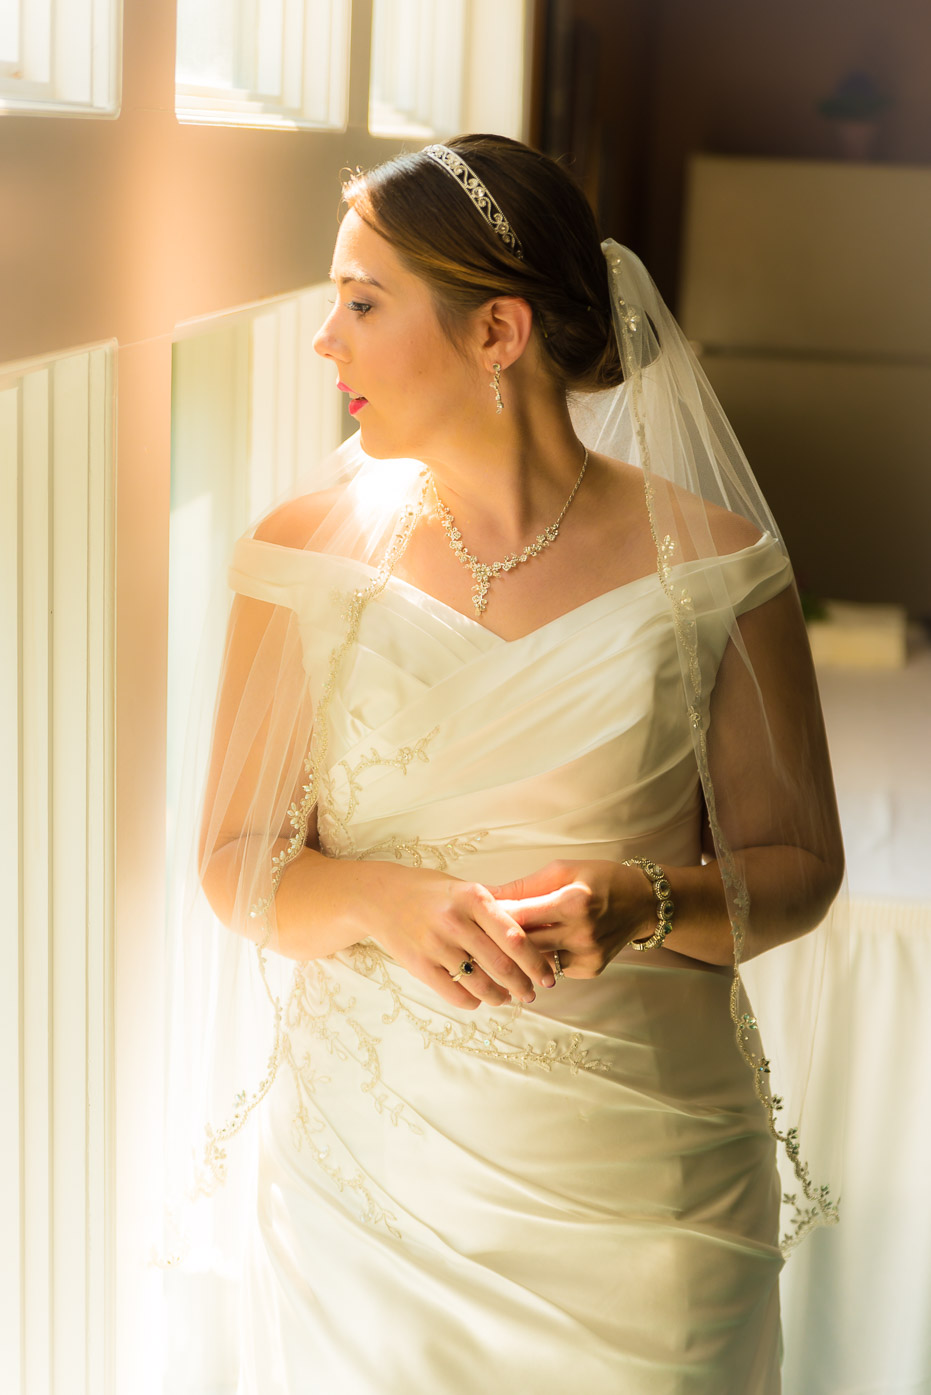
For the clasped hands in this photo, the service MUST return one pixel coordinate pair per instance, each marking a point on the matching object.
(588, 911)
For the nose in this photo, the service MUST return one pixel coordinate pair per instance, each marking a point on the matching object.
(326, 342)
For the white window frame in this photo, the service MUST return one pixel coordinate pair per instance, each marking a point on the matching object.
(291, 68)
(69, 60)
(459, 76)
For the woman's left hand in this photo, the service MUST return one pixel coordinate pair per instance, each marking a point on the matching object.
(587, 910)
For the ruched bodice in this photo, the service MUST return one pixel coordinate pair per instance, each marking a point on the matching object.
(567, 742)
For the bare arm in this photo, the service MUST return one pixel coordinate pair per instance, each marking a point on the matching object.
(426, 920)
(774, 794)
(430, 922)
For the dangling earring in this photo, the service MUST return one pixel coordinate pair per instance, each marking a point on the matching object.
(496, 384)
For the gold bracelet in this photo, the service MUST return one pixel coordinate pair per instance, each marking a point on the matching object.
(664, 905)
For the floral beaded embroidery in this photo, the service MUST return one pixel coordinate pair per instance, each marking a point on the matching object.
(317, 1007)
(417, 851)
(491, 1041)
(814, 1206)
(316, 1004)
(333, 824)
(308, 1128)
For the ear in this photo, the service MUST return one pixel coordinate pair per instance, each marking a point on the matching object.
(503, 329)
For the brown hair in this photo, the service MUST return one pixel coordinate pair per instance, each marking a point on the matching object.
(442, 237)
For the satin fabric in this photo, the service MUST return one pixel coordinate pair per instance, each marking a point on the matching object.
(578, 1194)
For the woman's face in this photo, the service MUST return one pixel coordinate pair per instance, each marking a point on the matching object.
(410, 389)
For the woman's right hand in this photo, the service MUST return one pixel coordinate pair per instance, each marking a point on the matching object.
(430, 922)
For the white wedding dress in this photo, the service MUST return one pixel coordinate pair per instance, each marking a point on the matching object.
(579, 1195)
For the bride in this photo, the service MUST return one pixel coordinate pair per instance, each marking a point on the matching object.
(517, 752)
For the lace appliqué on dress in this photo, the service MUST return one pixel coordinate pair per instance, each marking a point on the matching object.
(315, 1006)
(319, 1012)
(318, 1009)
(334, 823)
(491, 1040)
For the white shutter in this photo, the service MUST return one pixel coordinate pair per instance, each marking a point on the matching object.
(56, 624)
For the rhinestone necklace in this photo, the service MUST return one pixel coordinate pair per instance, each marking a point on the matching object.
(484, 573)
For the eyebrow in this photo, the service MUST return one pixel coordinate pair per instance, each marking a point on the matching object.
(359, 278)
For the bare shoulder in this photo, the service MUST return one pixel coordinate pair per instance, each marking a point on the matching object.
(294, 522)
(691, 516)
(731, 532)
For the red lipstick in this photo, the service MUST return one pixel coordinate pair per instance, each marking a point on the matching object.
(356, 403)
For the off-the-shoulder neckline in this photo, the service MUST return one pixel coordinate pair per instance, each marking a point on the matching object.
(648, 581)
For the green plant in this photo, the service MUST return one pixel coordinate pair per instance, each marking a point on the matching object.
(855, 98)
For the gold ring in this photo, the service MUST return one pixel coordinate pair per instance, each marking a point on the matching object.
(464, 968)
(557, 967)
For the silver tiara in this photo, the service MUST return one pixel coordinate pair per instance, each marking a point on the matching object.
(454, 165)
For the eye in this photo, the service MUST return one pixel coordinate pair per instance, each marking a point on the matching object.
(358, 307)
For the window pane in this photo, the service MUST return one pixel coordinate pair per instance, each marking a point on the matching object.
(205, 43)
(9, 32)
(263, 62)
(61, 57)
(269, 45)
(418, 55)
(443, 66)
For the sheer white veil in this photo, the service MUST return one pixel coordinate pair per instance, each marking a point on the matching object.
(666, 419)
(249, 803)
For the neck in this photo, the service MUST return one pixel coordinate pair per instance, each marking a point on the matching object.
(508, 479)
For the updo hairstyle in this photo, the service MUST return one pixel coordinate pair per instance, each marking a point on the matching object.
(441, 237)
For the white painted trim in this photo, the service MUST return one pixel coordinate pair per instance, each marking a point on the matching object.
(11, 1117)
(36, 1024)
(56, 617)
(101, 1065)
